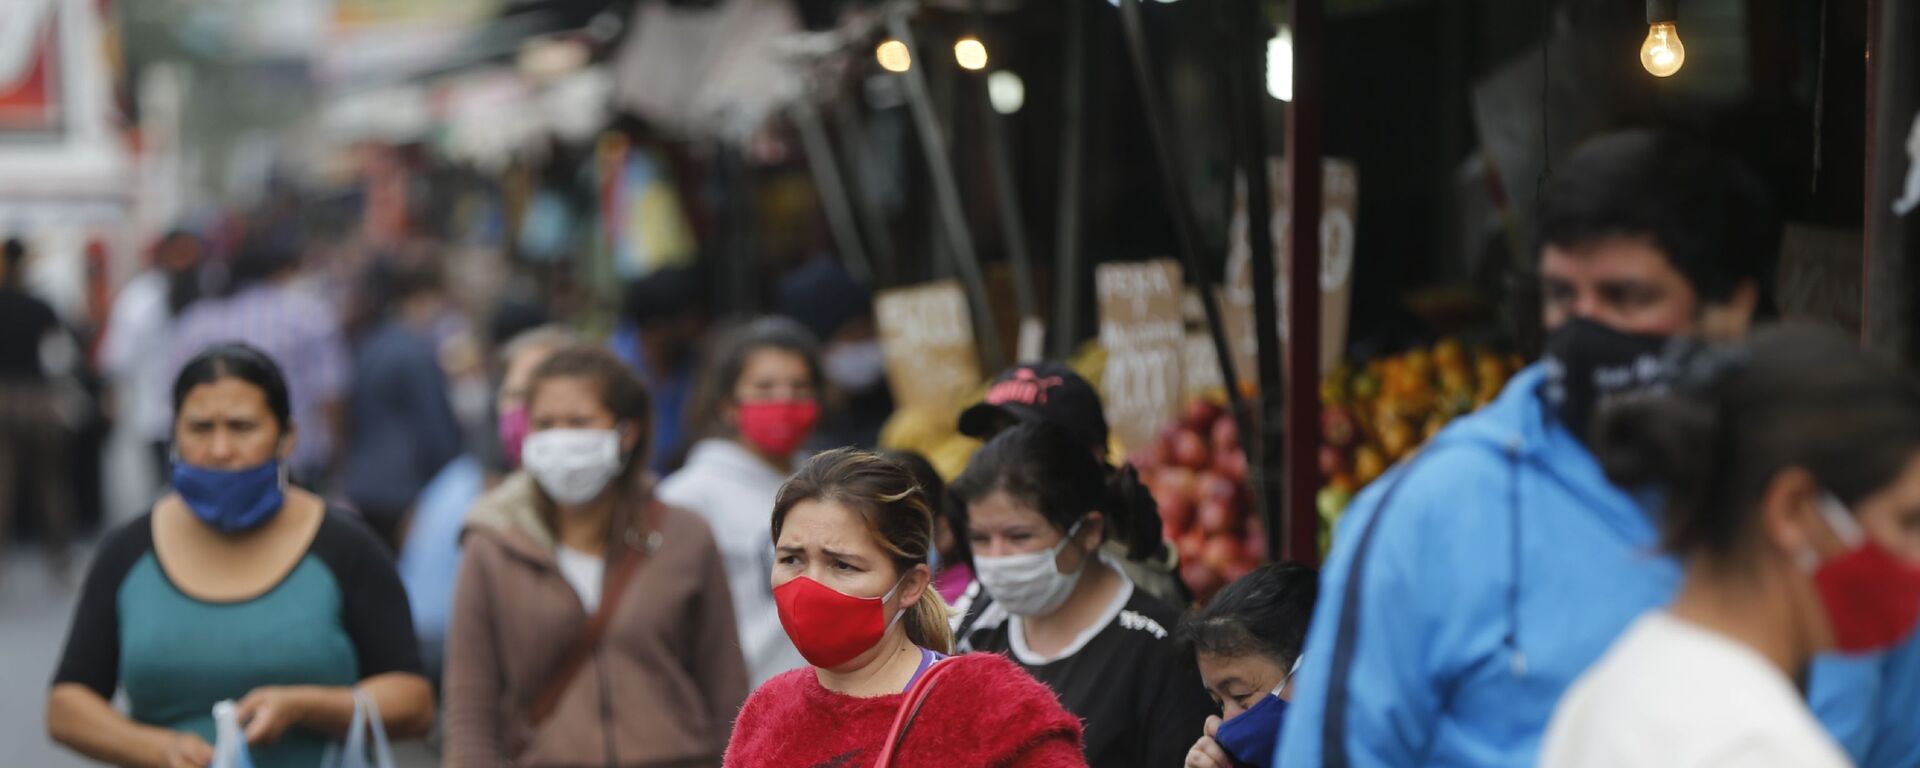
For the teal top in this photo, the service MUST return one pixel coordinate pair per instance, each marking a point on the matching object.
(338, 617)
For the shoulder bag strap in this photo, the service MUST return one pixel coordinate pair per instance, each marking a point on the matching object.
(909, 708)
(583, 646)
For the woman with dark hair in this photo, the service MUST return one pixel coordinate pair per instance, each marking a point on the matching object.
(758, 403)
(1038, 507)
(236, 586)
(1791, 472)
(590, 627)
(856, 595)
(1247, 643)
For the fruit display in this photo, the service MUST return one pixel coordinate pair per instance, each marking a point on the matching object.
(1375, 414)
(1197, 471)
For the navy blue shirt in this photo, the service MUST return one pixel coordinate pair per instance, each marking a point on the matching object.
(402, 428)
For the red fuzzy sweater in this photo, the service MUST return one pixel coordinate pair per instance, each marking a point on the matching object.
(983, 712)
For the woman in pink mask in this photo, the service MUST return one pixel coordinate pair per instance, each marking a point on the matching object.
(1791, 472)
(756, 405)
(855, 592)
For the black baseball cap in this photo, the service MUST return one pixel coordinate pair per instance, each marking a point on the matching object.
(1045, 391)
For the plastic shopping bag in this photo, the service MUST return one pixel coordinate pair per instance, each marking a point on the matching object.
(354, 752)
(230, 743)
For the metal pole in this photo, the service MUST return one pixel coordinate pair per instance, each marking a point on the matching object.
(1066, 278)
(1304, 176)
(1174, 178)
(853, 142)
(1267, 448)
(833, 190)
(1013, 227)
(947, 192)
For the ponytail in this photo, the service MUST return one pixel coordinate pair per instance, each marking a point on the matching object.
(928, 622)
(1134, 517)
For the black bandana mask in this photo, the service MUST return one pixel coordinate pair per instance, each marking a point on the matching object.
(1588, 364)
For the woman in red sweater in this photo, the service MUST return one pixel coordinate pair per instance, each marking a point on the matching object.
(850, 576)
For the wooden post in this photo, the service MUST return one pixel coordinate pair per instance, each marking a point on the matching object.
(1303, 277)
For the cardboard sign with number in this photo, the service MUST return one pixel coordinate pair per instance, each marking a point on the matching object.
(1141, 328)
(1340, 190)
(926, 335)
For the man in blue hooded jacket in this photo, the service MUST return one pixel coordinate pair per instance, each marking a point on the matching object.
(1471, 585)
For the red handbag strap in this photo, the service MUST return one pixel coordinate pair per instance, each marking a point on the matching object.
(902, 720)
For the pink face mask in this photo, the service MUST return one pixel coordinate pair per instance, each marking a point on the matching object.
(778, 427)
(513, 432)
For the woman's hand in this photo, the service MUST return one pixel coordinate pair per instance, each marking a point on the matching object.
(1206, 753)
(187, 750)
(266, 713)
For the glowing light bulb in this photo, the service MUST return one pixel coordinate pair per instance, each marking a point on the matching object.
(1280, 65)
(970, 52)
(1662, 53)
(893, 56)
(1006, 91)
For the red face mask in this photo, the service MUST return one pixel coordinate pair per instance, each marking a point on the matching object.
(1871, 596)
(778, 427)
(830, 627)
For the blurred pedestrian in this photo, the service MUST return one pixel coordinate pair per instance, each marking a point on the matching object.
(235, 587)
(31, 433)
(430, 557)
(664, 318)
(759, 401)
(402, 429)
(951, 562)
(855, 403)
(1051, 392)
(591, 627)
(856, 595)
(135, 350)
(268, 309)
(1791, 470)
(1247, 643)
(1038, 507)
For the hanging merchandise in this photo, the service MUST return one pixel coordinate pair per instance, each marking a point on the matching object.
(547, 227)
(645, 226)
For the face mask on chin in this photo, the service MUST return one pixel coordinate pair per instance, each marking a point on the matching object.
(1588, 363)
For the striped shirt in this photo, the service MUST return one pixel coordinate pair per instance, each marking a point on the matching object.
(301, 333)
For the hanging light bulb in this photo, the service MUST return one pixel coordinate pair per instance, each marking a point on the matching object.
(893, 55)
(1006, 92)
(1662, 52)
(970, 53)
(1280, 65)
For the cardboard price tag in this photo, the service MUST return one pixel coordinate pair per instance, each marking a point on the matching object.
(1141, 328)
(1340, 191)
(926, 334)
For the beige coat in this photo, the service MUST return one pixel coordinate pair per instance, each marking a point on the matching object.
(663, 688)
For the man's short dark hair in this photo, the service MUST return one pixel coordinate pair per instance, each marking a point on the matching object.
(1712, 218)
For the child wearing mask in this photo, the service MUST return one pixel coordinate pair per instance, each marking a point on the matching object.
(759, 402)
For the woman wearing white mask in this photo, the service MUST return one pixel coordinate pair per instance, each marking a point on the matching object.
(756, 406)
(592, 627)
(1038, 507)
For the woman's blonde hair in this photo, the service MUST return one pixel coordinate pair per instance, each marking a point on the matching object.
(898, 514)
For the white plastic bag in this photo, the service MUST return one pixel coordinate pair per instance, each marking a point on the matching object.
(353, 753)
(230, 743)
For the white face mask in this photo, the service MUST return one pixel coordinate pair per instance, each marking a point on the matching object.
(572, 465)
(1030, 584)
(856, 367)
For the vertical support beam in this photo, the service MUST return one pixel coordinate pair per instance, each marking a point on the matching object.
(1066, 248)
(853, 143)
(1179, 202)
(833, 190)
(1247, 31)
(1892, 241)
(1304, 153)
(1006, 195)
(946, 191)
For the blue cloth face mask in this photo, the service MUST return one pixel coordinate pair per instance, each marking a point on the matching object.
(1252, 738)
(232, 501)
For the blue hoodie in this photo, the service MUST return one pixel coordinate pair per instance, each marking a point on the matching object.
(1501, 565)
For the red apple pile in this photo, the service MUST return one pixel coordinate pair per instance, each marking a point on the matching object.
(1197, 471)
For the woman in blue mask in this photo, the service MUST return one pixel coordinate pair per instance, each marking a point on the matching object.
(237, 586)
(1248, 642)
